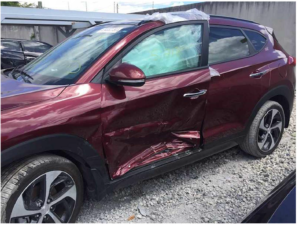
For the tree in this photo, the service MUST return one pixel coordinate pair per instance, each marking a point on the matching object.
(18, 4)
(28, 5)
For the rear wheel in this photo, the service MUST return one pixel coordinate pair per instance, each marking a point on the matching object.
(41, 189)
(266, 130)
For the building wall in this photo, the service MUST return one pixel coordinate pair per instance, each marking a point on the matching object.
(48, 34)
(17, 31)
(281, 16)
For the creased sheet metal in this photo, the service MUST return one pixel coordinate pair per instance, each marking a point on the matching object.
(185, 140)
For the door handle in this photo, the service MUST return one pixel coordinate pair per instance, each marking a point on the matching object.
(259, 74)
(196, 94)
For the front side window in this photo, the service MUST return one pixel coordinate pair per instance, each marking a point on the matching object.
(10, 46)
(65, 63)
(226, 44)
(169, 50)
(30, 46)
(257, 40)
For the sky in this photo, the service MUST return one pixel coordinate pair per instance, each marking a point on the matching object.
(126, 6)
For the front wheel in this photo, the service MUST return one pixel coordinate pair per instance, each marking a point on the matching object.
(266, 130)
(41, 189)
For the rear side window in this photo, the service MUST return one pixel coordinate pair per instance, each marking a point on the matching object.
(169, 50)
(10, 46)
(258, 41)
(226, 44)
(38, 47)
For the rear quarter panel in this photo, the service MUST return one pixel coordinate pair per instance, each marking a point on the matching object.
(233, 95)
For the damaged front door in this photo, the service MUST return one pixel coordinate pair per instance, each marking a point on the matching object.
(163, 117)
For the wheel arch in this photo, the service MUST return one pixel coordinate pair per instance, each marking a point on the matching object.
(76, 149)
(285, 105)
(281, 94)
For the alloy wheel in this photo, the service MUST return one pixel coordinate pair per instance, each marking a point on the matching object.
(50, 198)
(270, 129)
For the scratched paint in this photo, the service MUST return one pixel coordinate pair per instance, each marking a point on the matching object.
(184, 141)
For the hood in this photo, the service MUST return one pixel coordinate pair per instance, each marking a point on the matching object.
(15, 93)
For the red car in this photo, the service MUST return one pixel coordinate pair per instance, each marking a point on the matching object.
(123, 102)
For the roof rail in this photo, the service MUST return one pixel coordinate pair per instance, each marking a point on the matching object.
(232, 18)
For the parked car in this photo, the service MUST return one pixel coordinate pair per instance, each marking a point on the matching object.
(123, 102)
(18, 52)
(279, 206)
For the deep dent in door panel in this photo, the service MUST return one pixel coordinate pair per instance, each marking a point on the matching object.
(130, 137)
(185, 141)
(148, 123)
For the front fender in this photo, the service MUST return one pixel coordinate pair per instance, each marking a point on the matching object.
(78, 150)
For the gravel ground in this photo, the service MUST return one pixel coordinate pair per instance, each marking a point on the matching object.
(222, 188)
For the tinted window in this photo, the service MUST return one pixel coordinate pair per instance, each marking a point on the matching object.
(30, 46)
(169, 50)
(64, 63)
(227, 44)
(10, 46)
(257, 40)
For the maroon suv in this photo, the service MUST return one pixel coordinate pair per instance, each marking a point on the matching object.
(122, 102)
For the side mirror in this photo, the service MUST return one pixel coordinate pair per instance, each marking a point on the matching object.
(128, 75)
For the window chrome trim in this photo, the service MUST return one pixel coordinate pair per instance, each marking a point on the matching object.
(132, 81)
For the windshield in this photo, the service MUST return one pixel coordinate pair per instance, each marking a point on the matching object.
(65, 63)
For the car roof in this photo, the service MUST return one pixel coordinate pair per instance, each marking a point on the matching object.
(232, 18)
(125, 22)
(235, 22)
(11, 39)
(214, 20)
(17, 39)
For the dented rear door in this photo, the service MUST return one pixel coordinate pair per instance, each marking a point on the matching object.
(163, 117)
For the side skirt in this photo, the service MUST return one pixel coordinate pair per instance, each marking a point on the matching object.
(163, 166)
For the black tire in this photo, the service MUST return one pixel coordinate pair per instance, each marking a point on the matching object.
(250, 143)
(17, 177)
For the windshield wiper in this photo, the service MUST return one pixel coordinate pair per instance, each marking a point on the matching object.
(23, 74)
(12, 73)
